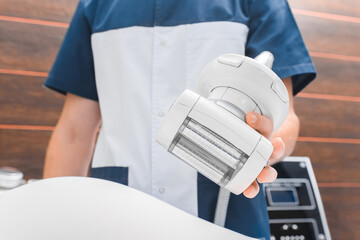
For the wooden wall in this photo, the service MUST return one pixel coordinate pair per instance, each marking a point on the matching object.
(329, 109)
(31, 32)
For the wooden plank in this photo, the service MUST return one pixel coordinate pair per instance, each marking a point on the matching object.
(335, 77)
(61, 10)
(332, 162)
(343, 7)
(325, 35)
(311, 28)
(29, 47)
(24, 150)
(328, 118)
(24, 101)
(342, 211)
(39, 106)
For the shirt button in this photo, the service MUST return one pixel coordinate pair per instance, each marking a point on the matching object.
(162, 43)
(160, 114)
(161, 190)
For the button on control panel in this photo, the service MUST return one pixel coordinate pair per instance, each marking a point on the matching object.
(292, 237)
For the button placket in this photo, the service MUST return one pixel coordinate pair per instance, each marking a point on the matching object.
(156, 104)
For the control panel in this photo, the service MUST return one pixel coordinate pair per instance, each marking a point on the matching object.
(294, 203)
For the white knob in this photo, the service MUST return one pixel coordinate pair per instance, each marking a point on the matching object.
(265, 58)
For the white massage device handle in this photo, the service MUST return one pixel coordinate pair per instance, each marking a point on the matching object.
(241, 85)
(92, 209)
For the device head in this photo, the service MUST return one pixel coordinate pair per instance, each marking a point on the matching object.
(208, 131)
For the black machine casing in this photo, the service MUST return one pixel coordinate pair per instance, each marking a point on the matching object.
(294, 204)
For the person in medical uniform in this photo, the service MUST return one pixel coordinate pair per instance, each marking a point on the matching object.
(124, 62)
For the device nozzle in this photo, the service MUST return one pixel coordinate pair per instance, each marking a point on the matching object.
(265, 58)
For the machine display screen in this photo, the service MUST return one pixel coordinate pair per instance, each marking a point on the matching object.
(283, 196)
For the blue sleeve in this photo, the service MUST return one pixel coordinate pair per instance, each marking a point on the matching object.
(272, 27)
(73, 70)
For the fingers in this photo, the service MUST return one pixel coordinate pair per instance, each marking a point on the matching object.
(252, 190)
(265, 127)
(260, 123)
(268, 174)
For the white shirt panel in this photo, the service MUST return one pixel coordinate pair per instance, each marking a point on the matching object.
(123, 81)
(140, 71)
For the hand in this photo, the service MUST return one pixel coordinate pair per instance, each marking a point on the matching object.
(264, 126)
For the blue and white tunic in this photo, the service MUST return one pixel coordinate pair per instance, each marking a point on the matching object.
(135, 57)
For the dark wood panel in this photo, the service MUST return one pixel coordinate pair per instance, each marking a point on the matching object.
(328, 118)
(342, 209)
(336, 77)
(332, 162)
(29, 47)
(24, 150)
(331, 36)
(342, 7)
(24, 101)
(60, 10)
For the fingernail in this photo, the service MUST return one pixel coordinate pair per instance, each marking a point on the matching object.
(273, 175)
(282, 147)
(250, 191)
(251, 188)
(254, 192)
(280, 151)
(253, 118)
